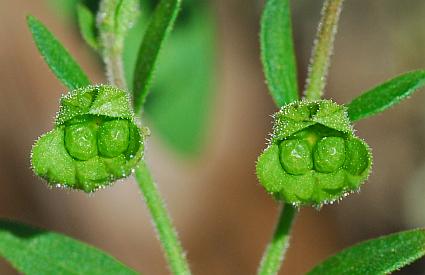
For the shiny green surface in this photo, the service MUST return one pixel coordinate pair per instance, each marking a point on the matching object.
(313, 156)
(95, 140)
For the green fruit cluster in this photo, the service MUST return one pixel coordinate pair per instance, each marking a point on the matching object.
(313, 156)
(95, 140)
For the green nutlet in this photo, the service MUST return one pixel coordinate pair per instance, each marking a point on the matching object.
(313, 156)
(95, 140)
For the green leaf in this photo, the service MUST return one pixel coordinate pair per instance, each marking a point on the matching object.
(159, 27)
(378, 256)
(385, 95)
(87, 24)
(277, 52)
(179, 107)
(36, 251)
(56, 56)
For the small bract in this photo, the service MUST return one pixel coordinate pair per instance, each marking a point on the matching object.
(95, 140)
(313, 156)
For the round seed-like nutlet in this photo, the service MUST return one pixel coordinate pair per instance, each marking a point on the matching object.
(81, 140)
(295, 156)
(329, 154)
(113, 138)
(313, 156)
(357, 157)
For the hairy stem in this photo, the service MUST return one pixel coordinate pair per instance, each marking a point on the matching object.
(114, 67)
(112, 46)
(275, 251)
(322, 50)
(114, 19)
(164, 227)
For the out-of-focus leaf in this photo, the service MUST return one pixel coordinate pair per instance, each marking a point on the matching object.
(66, 7)
(378, 256)
(87, 24)
(277, 52)
(36, 251)
(160, 25)
(385, 95)
(179, 105)
(56, 56)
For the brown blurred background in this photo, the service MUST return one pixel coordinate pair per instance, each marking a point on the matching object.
(223, 216)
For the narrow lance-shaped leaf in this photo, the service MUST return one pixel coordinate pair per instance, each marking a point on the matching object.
(378, 256)
(385, 95)
(87, 24)
(56, 56)
(277, 52)
(157, 31)
(36, 251)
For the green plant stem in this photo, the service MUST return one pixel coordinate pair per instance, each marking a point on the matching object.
(322, 50)
(114, 67)
(112, 50)
(164, 227)
(111, 42)
(275, 251)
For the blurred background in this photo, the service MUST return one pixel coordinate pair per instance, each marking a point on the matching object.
(209, 114)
